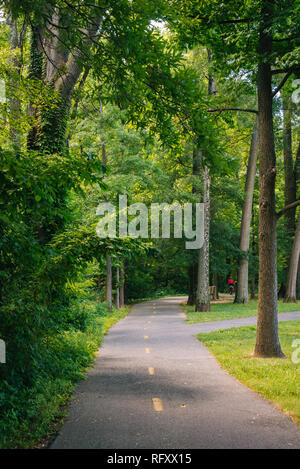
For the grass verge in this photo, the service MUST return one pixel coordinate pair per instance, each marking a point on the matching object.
(275, 379)
(223, 311)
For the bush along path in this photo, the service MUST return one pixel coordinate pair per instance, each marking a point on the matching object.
(31, 414)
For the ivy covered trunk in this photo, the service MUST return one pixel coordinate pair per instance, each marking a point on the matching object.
(54, 73)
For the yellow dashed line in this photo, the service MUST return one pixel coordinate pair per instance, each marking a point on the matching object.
(151, 370)
(149, 322)
(147, 350)
(157, 404)
(146, 337)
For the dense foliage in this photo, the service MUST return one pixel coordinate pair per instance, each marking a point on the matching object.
(101, 99)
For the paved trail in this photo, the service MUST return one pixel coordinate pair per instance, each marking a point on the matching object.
(156, 386)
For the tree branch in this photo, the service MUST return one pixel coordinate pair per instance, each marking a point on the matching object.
(282, 83)
(232, 109)
(284, 70)
(287, 207)
(207, 20)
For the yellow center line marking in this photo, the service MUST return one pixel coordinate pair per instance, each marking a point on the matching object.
(152, 317)
(151, 370)
(147, 350)
(149, 322)
(146, 337)
(145, 328)
(157, 404)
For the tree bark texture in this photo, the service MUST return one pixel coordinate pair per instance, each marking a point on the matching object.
(202, 297)
(267, 340)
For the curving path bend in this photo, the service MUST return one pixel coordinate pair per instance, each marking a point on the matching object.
(154, 385)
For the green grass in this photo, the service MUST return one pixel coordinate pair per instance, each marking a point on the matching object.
(223, 311)
(29, 416)
(275, 379)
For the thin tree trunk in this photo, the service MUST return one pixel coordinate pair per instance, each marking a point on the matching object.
(242, 283)
(289, 183)
(202, 297)
(216, 284)
(193, 268)
(252, 288)
(298, 283)
(15, 40)
(122, 287)
(253, 274)
(289, 172)
(291, 293)
(108, 292)
(118, 288)
(297, 176)
(267, 340)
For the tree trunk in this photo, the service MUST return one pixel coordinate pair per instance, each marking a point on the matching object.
(54, 65)
(291, 293)
(108, 293)
(122, 287)
(193, 268)
(289, 173)
(202, 297)
(267, 340)
(118, 288)
(216, 284)
(289, 184)
(192, 284)
(15, 41)
(298, 283)
(252, 288)
(297, 176)
(253, 272)
(242, 283)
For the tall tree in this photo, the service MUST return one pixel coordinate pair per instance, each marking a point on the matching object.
(193, 268)
(257, 35)
(242, 292)
(203, 293)
(291, 292)
(267, 340)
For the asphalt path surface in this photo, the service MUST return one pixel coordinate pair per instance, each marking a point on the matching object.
(155, 386)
